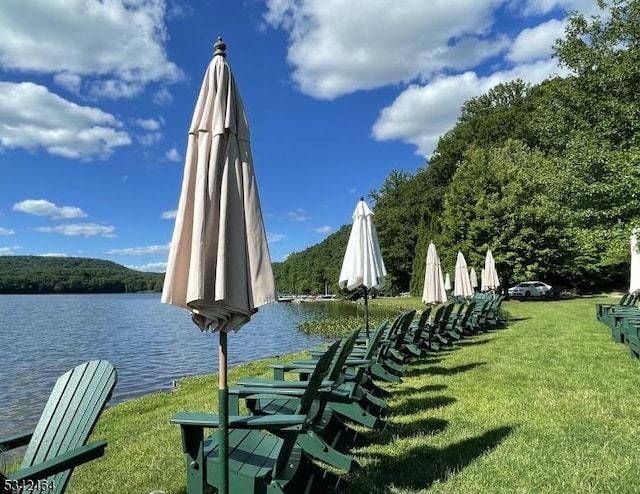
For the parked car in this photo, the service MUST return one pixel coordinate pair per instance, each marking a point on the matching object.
(528, 289)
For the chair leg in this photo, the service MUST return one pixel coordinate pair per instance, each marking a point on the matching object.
(320, 450)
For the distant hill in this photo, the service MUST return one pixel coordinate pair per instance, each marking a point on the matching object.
(37, 274)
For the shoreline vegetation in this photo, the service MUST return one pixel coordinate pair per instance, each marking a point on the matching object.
(548, 404)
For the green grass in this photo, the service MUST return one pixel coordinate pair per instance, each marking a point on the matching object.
(548, 405)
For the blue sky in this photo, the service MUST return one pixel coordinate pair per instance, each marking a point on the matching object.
(96, 98)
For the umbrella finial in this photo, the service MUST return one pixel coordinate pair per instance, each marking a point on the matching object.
(362, 198)
(219, 47)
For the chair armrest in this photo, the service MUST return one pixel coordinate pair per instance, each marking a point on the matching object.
(15, 440)
(62, 462)
(209, 420)
(268, 383)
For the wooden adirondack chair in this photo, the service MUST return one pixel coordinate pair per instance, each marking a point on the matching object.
(320, 437)
(258, 463)
(58, 443)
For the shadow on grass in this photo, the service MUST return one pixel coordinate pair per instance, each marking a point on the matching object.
(418, 468)
(474, 343)
(416, 405)
(451, 371)
(421, 389)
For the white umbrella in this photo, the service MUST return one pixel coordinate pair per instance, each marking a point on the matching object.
(462, 283)
(483, 279)
(634, 283)
(447, 282)
(490, 280)
(363, 264)
(473, 279)
(433, 291)
(219, 265)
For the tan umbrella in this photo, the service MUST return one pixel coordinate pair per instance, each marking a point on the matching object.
(462, 283)
(490, 280)
(363, 264)
(473, 279)
(219, 266)
(433, 291)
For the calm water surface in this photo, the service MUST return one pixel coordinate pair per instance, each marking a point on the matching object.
(150, 343)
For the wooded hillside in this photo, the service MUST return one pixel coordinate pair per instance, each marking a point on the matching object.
(547, 176)
(36, 274)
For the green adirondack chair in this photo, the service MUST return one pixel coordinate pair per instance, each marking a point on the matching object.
(58, 443)
(320, 437)
(258, 463)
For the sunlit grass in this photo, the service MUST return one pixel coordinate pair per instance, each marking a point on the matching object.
(548, 405)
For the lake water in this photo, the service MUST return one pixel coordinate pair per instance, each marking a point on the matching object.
(150, 343)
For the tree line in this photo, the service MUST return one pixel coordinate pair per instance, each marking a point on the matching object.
(547, 176)
(39, 275)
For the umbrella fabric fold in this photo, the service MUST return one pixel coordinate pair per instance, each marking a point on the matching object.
(473, 279)
(490, 280)
(433, 291)
(219, 265)
(462, 283)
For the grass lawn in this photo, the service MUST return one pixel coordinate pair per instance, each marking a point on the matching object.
(548, 405)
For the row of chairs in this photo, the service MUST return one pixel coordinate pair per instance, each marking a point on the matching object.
(301, 422)
(623, 319)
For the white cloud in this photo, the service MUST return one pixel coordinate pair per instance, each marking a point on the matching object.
(70, 82)
(81, 39)
(169, 215)
(80, 229)
(374, 43)
(421, 114)
(150, 123)
(324, 229)
(33, 118)
(152, 267)
(53, 254)
(272, 238)
(536, 43)
(298, 215)
(42, 207)
(150, 138)
(140, 251)
(163, 97)
(541, 7)
(10, 251)
(173, 155)
(6, 231)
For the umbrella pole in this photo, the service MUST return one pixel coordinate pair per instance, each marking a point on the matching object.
(223, 414)
(366, 316)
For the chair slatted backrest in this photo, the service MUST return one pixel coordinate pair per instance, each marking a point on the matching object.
(305, 405)
(73, 408)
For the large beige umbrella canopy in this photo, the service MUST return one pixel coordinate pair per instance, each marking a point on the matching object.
(490, 280)
(634, 283)
(433, 291)
(461, 282)
(363, 264)
(219, 266)
(447, 282)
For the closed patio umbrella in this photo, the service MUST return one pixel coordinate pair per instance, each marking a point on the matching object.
(219, 266)
(473, 279)
(433, 291)
(447, 282)
(363, 264)
(634, 283)
(490, 280)
(461, 282)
